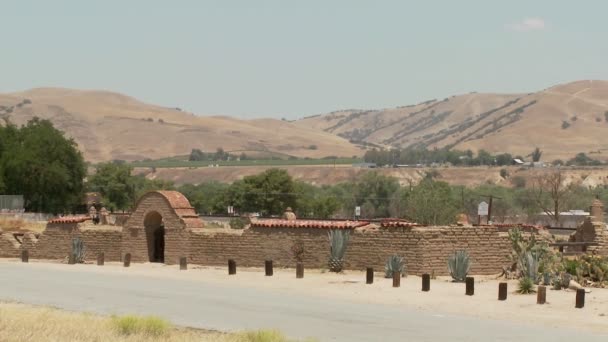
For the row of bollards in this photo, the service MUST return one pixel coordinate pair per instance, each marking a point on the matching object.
(541, 296)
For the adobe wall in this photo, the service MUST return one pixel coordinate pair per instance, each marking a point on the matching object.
(425, 249)
(177, 215)
(55, 243)
(9, 247)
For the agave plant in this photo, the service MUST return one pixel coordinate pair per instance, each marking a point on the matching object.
(78, 250)
(459, 265)
(525, 286)
(338, 242)
(528, 265)
(394, 263)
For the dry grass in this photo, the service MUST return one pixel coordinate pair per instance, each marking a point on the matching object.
(21, 323)
(13, 224)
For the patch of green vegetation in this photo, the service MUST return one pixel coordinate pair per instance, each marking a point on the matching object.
(149, 325)
(171, 162)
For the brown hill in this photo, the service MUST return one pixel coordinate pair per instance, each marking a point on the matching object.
(562, 121)
(110, 126)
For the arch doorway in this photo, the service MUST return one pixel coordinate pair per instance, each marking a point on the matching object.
(155, 236)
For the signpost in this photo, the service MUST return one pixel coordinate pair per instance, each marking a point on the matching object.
(357, 212)
(483, 209)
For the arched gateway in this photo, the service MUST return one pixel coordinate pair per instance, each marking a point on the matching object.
(157, 230)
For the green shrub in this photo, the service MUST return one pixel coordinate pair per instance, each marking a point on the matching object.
(526, 285)
(565, 124)
(263, 336)
(149, 325)
(504, 173)
(238, 223)
(518, 182)
(394, 263)
(571, 265)
(459, 265)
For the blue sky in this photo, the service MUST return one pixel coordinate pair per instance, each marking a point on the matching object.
(297, 58)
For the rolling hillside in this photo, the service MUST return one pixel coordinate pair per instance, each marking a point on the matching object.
(562, 121)
(110, 126)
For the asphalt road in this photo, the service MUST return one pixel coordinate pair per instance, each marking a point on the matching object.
(211, 306)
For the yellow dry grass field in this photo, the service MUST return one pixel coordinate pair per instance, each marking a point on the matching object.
(110, 126)
(562, 120)
(14, 224)
(25, 323)
(329, 175)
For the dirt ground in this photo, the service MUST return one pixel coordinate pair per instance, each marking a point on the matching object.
(445, 296)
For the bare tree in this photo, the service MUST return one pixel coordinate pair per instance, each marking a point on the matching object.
(551, 194)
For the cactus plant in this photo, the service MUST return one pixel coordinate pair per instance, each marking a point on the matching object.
(528, 264)
(394, 263)
(78, 250)
(338, 242)
(459, 265)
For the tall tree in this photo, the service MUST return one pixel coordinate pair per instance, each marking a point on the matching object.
(536, 154)
(40, 163)
(119, 188)
(269, 192)
(374, 192)
(115, 183)
(551, 194)
(431, 202)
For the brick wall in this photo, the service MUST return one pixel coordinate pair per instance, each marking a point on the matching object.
(56, 242)
(425, 249)
(9, 247)
(134, 240)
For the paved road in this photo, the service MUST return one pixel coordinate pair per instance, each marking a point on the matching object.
(211, 306)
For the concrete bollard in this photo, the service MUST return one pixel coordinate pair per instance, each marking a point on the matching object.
(396, 279)
(580, 298)
(25, 256)
(426, 282)
(299, 270)
(369, 275)
(502, 291)
(231, 267)
(470, 286)
(541, 295)
(127, 260)
(268, 268)
(183, 263)
(100, 259)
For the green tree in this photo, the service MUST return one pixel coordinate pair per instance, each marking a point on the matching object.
(269, 192)
(315, 202)
(40, 163)
(119, 188)
(207, 197)
(432, 203)
(536, 154)
(375, 192)
(197, 155)
(116, 185)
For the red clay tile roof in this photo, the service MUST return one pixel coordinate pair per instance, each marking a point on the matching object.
(176, 199)
(321, 224)
(70, 219)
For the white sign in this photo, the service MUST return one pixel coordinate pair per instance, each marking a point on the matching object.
(482, 209)
(357, 211)
(230, 209)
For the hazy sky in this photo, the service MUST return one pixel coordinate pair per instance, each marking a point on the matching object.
(296, 58)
